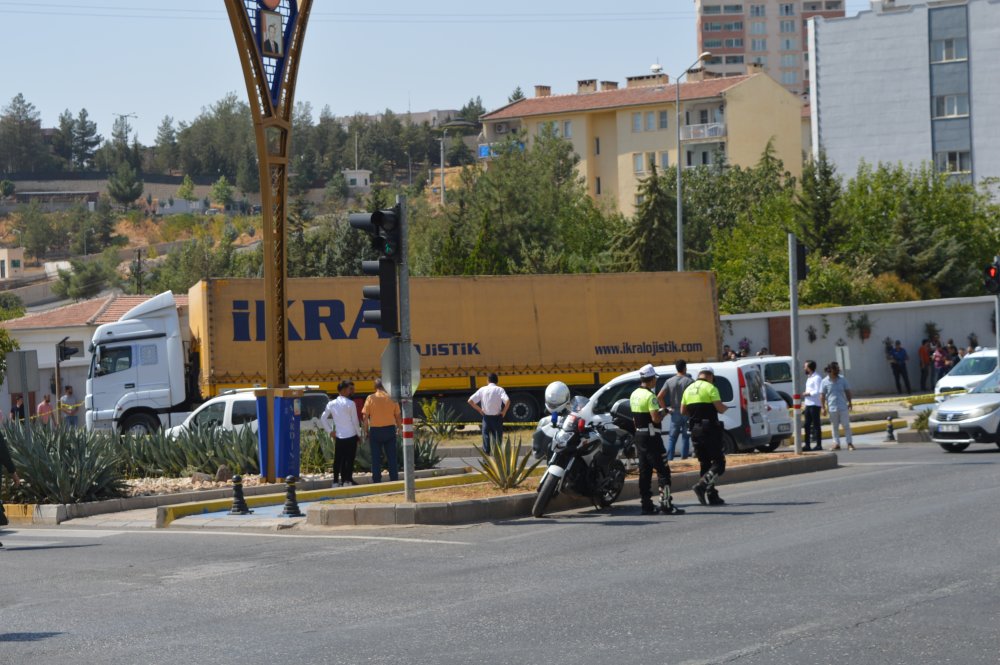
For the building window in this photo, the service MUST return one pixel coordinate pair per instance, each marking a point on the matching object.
(711, 27)
(790, 60)
(735, 26)
(758, 10)
(788, 27)
(711, 9)
(734, 59)
(568, 128)
(832, 5)
(650, 160)
(712, 43)
(760, 60)
(597, 186)
(690, 158)
(732, 9)
(788, 45)
(758, 28)
(734, 43)
(15, 263)
(954, 161)
(758, 44)
(951, 106)
(637, 165)
(714, 60)
(664, 160)
(636, 122)
(946, 50)
(597, 145)
(789, 78)
(650, 121)
(664, 119)
(786, 9)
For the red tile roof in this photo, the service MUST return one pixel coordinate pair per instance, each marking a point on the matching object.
(91, 312)
(606, 99)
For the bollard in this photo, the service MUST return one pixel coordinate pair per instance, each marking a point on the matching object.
(240, 506)
(889, 430)
(291, 508)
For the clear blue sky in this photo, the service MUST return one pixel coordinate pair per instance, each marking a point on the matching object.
(176, 57)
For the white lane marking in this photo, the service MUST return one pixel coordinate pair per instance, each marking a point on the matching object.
(62, 533)
(22, 544)
(87, 533)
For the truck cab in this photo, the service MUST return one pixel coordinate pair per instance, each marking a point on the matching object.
(137, 380)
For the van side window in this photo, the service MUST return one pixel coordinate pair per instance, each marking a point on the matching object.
(244, 412)
(116, 359)
(725, 389)
(778, 372)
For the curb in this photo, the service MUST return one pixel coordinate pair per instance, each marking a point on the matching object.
(519, 505)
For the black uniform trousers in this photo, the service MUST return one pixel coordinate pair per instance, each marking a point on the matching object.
(708, 448)
(652, 456)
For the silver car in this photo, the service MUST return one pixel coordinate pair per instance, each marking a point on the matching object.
(969, 418)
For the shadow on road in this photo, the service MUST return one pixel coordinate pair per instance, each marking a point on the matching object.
(27, 637)
(28, 548)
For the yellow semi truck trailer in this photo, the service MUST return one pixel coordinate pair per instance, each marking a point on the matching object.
(531, 330)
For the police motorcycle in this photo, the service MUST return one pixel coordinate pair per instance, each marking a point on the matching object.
(584, 458)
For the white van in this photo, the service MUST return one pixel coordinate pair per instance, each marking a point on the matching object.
(967, 374)
(777, 370)
(741, 389)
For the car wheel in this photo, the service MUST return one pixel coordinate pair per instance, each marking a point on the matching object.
(953, 447)
(729, 444)
(140, 424)
(771, 445)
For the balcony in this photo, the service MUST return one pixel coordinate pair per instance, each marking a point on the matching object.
(707, 132)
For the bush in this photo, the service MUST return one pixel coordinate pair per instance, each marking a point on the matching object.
(200, 449)
(504, 466)
(64, 465)
(316, 453)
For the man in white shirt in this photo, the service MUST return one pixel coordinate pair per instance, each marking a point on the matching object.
(812, 403)
(346, 429)
(491, 402)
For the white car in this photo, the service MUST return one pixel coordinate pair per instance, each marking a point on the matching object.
(972, 370)
(238, 409)
(967, 419)
(779, 420)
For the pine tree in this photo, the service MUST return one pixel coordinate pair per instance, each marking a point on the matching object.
(85, 141)
(125, 186)
(817, 223)
(648, 241)
(62, 141)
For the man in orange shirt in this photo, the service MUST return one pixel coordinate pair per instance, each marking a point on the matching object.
(924, 353)
(381, 417)
(44, 411)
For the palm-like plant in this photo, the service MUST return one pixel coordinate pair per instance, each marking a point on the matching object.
(504, 466)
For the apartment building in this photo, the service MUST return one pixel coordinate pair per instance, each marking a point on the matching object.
(767, 33)
(910, 82)
(619, 132)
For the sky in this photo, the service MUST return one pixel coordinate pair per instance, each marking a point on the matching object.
(177, 57)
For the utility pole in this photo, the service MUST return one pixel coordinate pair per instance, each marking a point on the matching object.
(138, 271)
(793, 302)
(405, 345)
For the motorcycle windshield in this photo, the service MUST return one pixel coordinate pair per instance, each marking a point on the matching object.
(562, 439)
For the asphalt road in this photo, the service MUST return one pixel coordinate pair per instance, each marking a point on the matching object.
(891, 559)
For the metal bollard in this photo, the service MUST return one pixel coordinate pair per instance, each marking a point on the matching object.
(291, 508)
(889, 430)
(240, 506)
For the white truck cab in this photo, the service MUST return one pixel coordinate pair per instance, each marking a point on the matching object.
(137, 379)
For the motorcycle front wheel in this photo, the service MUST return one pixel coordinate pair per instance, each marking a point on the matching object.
(545, 492)
(613, 485)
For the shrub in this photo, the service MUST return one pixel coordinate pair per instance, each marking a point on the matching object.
(64, 465)
(504, 466)
(920, 423)
(200, 449)
(438, 419)
(316, 453)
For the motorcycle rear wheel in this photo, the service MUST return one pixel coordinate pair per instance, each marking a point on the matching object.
(613, 486)
(545, 492)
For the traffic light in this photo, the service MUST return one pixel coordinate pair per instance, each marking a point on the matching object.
(383, 226)
(802, 269)
(992, 277)
(66, 351)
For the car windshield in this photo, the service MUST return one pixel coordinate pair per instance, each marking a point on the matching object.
(970, 366)
(990, 385)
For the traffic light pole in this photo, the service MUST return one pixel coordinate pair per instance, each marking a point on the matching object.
(793, 301)
(404, 346)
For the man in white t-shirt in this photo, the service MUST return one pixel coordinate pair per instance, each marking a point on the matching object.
(491, 402)
(340, 418)
(812, 402)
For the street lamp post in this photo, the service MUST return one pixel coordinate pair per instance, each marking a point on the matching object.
(680, 208)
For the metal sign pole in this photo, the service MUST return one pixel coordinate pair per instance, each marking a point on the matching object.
(405, 344)
(793, 287)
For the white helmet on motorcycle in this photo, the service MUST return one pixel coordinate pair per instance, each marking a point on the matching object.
(557, 397)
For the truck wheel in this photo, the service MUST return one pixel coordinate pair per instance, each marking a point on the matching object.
(140, 424)
(523, 408)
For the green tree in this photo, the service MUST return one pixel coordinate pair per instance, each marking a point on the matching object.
(517, 95)
(167, 154)
(193, 261)
(87, 278)
(186, 191)
(222, 192)
(11, 306)
(22, 148)
(648, 242)
(7, 344)
(7, 188)
(247, 174)
(216, 141)
(818, 223)
(85, 141)
(472, 110)
(125, 186)
(459, 153)
(62, 140)
(37, 230)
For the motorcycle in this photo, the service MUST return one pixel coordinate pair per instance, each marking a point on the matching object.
(585, 458)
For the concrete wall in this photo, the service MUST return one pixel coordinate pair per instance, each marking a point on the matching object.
(870, 373)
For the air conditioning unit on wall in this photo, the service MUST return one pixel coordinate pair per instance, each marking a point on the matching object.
(500, 127)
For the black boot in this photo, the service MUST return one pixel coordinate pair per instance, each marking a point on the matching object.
(700, 491)
(714, 499)
(667, 506)
(650, 510)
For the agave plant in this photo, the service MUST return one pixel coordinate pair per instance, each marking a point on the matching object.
(64, 465)
(504, 465)
(201, 449)
(316, 454)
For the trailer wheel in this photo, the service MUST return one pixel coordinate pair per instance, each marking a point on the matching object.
(140, 424)
(523, 408)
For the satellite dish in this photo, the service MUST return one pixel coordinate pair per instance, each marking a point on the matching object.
(656, 68)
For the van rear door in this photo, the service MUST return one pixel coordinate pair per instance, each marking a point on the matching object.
(753, 405)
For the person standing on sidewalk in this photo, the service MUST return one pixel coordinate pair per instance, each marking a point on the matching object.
(838, 402)
(670, 396)
(702, 404)
(382, 417)
(898, 358)
(70, 408)
(44, 410)
(924, 352)
(491, 402)
(6, 463)
(340, 418)
(17, 411)
(812, 402)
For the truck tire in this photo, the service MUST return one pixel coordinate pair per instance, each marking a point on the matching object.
(523, 408)
(140, 423)
(545, 492)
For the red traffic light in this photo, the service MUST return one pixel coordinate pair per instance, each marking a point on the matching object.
(992, 272)
(992, 281)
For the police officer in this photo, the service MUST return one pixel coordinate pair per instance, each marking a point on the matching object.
(702, 405)
(646, 414)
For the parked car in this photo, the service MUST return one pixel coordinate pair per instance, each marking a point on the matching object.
(972, 370)
(776, 370)
(971, 418)
(238, 409)
(741, 389)
(779, 422)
